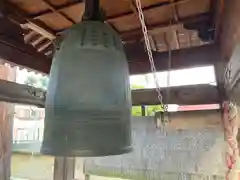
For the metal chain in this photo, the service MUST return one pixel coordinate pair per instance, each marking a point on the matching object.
(149, 51)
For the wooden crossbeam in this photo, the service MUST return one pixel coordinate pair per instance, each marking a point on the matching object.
(232, 76)
(182, 95)
(183, 58)
(137, 57)
(23, 94)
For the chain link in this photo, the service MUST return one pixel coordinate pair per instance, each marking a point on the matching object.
(149, 51)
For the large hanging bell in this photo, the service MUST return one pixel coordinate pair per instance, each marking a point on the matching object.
(88, 99)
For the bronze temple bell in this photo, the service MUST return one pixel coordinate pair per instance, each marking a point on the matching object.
(88, 99)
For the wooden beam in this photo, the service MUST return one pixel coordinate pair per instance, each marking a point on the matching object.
(19, 16)
(229, 28)
(37, 41)
(232, 76)
(14, 49)
(23, 94)
(195, 120)
(29, 36)
(188, 95)
(138, 60)
(181, 95)
(6, 122)
(23, 55)
(183, 58)
(44, 46)
(39, 29)
(64, 168)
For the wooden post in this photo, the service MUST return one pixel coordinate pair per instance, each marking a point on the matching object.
(64, 168)
(143, 110)
(6, 119)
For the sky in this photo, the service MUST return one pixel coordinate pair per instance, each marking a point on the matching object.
(190, 76)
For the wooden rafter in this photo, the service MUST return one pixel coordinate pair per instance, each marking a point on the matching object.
(39, 29)
(29, 36)
(20, 17)
(177, 39)
(48, 53)
(44, 46)
(37, 41)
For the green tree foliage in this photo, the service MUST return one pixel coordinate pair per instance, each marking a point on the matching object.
(136, 110)
(150, 110)
(37, 81)
(31, 80)
(43, 82)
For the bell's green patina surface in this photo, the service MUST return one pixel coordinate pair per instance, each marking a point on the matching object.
(88, 100)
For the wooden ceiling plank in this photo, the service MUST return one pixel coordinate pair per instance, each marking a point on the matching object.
(164, 27)
(133, 6)
(48, 34)
(59, 8)
(152, 7)
(162, 4)
(53, 9)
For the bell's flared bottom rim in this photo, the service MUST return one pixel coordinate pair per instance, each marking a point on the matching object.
(87, 153)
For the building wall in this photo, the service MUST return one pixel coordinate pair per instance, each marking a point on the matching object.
(193, 152)
(160, 154)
